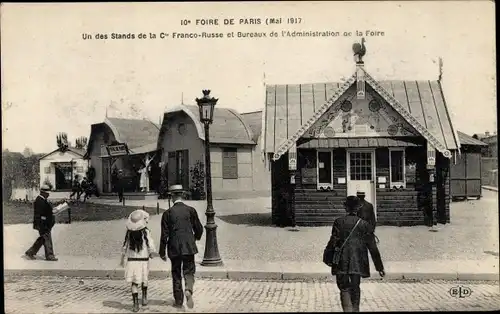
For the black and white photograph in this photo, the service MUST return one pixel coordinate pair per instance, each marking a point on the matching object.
(278, 156)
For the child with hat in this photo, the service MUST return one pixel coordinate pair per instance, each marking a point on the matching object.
(136, 252)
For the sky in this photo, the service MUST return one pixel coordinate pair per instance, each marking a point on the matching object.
(55, 81)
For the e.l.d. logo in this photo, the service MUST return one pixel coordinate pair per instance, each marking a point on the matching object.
(460, 292)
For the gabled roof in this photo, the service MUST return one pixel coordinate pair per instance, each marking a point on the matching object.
(77, 151)
(292, 109)
(228, 126)
(469, 140)
(135, 133)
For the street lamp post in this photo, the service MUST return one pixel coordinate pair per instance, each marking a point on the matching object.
(211, 256)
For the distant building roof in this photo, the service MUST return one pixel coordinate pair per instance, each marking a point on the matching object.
(254, 121)
(228, 127)
(469, 140)
(138, 134)
(78, 151)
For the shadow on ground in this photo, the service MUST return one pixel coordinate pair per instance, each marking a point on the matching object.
(259, 219)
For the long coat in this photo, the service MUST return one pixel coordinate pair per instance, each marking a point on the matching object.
(354, 257)
(180, 229)
(367, 213)
(43, 218)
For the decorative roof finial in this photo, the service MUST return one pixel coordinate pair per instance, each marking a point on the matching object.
(206, 93)
(359, 51)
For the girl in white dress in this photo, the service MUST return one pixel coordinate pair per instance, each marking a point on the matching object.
(138, 248)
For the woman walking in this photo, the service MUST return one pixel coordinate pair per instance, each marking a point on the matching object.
(136, 252)
(347, 254)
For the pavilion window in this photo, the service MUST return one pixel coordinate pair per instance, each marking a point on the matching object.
(229, 163)
(397, 167)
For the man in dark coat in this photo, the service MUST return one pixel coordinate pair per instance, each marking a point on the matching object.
(180, 229)
(367, 213)
(353, 264)
(76, 188)
(120, 184)
(43, 221)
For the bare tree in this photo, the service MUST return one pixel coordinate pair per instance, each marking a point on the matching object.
(62, 141)
(81, 142)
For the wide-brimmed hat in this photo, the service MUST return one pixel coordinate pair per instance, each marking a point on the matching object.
(145, 215)
(352, 202)
(176, 189)
(136, 220)
(45, 188)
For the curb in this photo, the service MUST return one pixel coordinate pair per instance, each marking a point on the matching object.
(252, 275)
(490, 188)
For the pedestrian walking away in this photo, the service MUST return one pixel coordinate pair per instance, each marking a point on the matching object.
(367, 213)
(347, 255)
(76, 188)
(120, 184)
(137, 251)
(43, 221)
(180, 229)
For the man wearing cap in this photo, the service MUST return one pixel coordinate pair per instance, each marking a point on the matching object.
(367, 213)
(180, 229)
(43, 221)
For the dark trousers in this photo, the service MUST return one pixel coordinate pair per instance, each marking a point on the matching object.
(78, 194)
(350, 292)
(120, 194)
(182, 265)
(44, 239)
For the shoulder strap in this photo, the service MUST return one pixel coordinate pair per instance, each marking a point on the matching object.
(350, 233)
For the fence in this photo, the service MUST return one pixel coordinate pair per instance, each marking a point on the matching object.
(489, 171)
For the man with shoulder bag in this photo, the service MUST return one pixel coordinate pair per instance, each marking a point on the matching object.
(347, 255)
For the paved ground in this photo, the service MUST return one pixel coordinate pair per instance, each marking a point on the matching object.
(60, 295)
(245, 233)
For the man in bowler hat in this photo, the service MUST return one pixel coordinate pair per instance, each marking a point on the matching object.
(180, 229)
(43, 221)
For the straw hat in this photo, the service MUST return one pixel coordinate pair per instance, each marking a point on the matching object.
(176, 188)
(136, 220)
(45, 188)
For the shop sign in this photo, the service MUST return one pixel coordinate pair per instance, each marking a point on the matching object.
(119, 149)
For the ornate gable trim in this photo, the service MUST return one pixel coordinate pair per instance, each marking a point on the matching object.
(291, 141)
(407, 116)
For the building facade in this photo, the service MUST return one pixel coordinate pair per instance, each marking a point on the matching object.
(127, 145)
(466, 170)
(60, 167)
(237, 165)
(392, 140)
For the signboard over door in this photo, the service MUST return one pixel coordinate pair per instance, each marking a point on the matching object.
(118, 149)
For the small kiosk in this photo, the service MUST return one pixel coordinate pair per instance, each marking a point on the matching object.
(393, 140)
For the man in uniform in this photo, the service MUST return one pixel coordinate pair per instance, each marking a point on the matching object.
(43, 221)
(180, 229)
(367, 213)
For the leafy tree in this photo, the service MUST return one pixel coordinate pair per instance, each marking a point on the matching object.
(27, 152)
